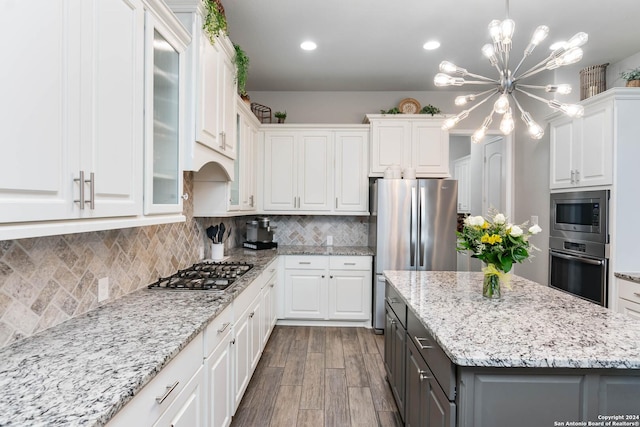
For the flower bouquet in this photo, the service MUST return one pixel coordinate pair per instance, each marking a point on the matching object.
(498, 244)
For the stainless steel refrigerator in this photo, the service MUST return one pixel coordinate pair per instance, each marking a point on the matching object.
(412, 227)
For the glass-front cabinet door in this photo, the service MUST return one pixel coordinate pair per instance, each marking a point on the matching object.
(164, 110)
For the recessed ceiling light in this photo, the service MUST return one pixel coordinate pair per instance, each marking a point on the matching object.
(308, 45)
(431, 45)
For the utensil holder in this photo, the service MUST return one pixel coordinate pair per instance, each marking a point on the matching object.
(217, 251)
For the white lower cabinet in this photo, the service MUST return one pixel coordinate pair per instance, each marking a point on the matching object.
(628, 298)
(190, 393)
(173, 395)
(327, 287)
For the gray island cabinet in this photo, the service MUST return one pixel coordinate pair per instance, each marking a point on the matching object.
(537, 357)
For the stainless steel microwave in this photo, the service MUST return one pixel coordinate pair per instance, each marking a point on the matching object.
(580, 215)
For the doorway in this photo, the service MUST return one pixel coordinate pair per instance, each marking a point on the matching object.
(485, 175)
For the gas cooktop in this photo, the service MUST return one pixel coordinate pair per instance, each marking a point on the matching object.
(208, 275)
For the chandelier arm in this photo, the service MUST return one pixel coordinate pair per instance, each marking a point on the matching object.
(519, 64)
(478, 76)
(531, 70)
(480, 82)
(536, 97)
(533, 86)
(483, 101)
(518, 104)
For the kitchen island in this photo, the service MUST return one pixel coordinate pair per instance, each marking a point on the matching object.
(532, 358)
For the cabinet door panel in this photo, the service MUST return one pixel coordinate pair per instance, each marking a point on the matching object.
(315, 175)
(351, 170)
(563, 140)
(304, 295)
(218, 403)
(39, 149)
(349, 295)
(391, 145)
(115, 128)
(242, 357)
(595, 163)
(430, 149)
(208, 115)
(186, 410)
(280, 171)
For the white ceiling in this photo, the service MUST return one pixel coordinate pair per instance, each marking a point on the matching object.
(376, 45)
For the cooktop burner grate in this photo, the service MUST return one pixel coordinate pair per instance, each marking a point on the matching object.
(209, 276)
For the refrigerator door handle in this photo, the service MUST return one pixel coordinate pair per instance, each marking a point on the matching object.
(422, 222)
(413, 226)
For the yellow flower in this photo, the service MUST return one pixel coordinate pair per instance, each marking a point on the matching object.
(485, 225)
(492, 240)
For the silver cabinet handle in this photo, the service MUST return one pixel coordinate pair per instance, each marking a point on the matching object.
(393, 321)
(637, 294)
(419, 343)
(272, 285)
(92, 191)
(336, 203)
(80, 180)
(167, 392)
(349, 263)
(304, 262)
(572, 176)
(391, 300)
(251, 201)
(233, 341)
(221, 146)
(577, 176)
(224, 326)
(423, 375)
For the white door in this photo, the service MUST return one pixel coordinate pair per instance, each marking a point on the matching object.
(280, 171)
(429, 148)
(186, 410)
(351, 171)
(315, 172)
(305, 294)
(112, 117)
(494, 175)
(349, 295)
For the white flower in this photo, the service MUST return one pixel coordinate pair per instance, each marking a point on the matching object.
(477, 221)
(535, 229)
(515, 231)
(499, 219)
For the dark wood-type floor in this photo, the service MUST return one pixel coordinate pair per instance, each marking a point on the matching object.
(315, 376)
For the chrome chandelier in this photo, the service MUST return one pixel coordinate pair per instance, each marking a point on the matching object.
(509, 82)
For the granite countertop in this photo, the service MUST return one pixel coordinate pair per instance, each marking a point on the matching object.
(326, 250)
(530, 326)
(632, 277)
(83, 371)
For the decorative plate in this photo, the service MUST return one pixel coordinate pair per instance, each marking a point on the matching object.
(409, 106)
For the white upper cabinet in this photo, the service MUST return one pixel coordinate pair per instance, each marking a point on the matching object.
(410, 141)
(581, 150)
(211, 88)
(165, 97)
(315, 169)
(74, 106)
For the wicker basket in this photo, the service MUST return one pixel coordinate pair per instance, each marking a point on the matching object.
(593, 80)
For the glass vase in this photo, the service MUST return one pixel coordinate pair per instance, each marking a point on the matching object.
(491, 286)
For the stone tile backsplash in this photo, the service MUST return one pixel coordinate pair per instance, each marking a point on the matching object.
(313, 230)
(47, 280)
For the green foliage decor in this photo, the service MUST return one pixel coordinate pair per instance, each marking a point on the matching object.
(495, 241)
(242, 67)
(215, 23)
(631, 74)
(281, 114)
(430, 109)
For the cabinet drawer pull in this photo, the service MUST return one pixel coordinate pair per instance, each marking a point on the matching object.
(391, 300)
(253, 313)
(423, 375)
(637, 294)
(393, 321)
(272, 285)
(336, 203)
(167, 392)
(419, 343)
(304, 262)
(80, 180)
(92, 191)
(349, 263)
(224, 326)
(233, 341)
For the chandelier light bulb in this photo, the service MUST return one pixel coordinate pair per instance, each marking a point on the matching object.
(495, 30)
(452, 121)
(539, 35)
(507, 27)
(571, 110)
(580, 39)
(478, 135)
(563, 89)
(507, 124)
(450, 68)
(463, 100)
(442, 79)
(535, 131)
(569, 57)
(501, 105)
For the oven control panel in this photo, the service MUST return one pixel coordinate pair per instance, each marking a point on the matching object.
(578, 247)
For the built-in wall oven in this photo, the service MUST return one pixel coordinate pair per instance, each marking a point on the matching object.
(579, 244)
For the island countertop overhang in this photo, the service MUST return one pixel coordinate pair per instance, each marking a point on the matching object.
(530, 326)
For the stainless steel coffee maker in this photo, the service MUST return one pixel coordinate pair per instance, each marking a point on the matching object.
(259, 230)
